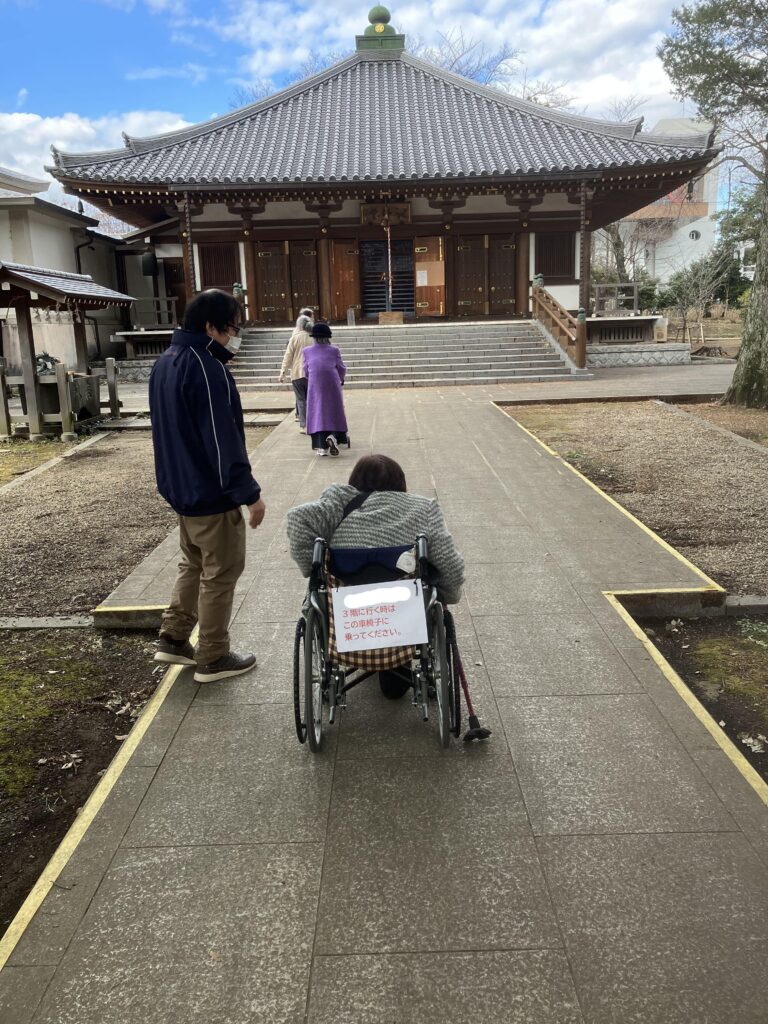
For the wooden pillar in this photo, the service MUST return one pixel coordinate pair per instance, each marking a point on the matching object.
(5, 414)
(81, 342)
(29, 375)
(114, 402)
(450, 272)
(585, 275)
(190, 282)
(325, 277)
(523, 282)
(65, 404)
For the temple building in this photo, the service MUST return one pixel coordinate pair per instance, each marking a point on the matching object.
(382, 183)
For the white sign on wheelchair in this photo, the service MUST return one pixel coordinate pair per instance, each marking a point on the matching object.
(376, 615)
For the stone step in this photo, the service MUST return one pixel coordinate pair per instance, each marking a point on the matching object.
(420, 370)
(398, 359)
(469, 381)
(275, 351)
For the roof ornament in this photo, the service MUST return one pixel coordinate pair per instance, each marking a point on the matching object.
(56, 156)
(380, 35)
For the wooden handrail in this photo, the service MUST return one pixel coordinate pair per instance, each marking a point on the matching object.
(569, 332)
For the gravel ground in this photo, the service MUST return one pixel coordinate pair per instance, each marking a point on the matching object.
(73, 533)
(704, 492)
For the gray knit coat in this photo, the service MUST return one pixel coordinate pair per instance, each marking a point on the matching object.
(386, 518)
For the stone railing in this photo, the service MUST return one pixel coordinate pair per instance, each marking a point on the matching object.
(569, 331)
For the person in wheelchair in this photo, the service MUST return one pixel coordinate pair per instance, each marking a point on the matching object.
(375, 510)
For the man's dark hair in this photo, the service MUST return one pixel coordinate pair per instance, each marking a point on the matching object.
(211, 307)
(377, 473)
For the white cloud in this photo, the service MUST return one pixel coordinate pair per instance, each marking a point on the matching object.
(21, 98)
(26, 139)
(194, 73)
(602, 49)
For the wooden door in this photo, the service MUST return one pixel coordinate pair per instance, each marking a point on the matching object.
(273, 292)
(471, 275)
(219, 265)
(429, 276)
(175, 287)
(501, 275)
(303, 260)
(346, 277)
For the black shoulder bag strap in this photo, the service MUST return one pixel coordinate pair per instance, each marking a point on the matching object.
(356, 502)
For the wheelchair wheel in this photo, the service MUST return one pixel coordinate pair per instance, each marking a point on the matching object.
(441, 676)
(298, 666)
(314, 679)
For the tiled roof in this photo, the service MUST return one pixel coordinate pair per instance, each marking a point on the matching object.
(80, 287)
(380, 117)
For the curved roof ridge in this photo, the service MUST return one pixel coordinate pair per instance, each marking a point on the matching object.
(137, 145)
(619, 129)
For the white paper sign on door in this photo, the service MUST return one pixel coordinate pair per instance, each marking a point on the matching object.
(376, 615)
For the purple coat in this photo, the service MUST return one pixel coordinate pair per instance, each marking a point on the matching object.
(324, 370)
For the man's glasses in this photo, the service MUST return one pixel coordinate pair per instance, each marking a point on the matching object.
(235, 328)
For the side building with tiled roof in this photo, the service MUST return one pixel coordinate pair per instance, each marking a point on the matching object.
(384, 182)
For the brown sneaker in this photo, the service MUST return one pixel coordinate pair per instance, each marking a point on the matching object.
(227, 665)
(174, 652)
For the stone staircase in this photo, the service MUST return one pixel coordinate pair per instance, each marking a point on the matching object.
(415, 355)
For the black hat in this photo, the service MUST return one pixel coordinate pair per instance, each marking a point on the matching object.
(321, 330)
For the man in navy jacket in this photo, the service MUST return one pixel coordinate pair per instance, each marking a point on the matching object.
(203, 473)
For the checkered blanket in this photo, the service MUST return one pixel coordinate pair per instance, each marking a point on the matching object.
(372, 661)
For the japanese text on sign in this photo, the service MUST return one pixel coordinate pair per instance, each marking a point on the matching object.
(377, 615)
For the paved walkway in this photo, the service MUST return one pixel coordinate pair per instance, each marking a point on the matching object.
(626, 382)
(601, 860)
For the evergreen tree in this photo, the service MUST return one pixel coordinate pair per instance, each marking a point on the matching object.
(717, 55)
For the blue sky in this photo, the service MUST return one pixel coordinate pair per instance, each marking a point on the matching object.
(85, 70)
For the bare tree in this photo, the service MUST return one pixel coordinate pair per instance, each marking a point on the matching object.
(625, 108)
(501, 68)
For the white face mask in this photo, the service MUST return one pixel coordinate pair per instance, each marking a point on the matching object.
(233, 345)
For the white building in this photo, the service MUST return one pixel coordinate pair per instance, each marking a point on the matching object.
(670, 233)
(41, 233)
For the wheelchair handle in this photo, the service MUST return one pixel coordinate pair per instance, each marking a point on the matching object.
(318, 557)
(422, 550)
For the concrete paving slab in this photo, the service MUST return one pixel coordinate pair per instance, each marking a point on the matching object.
(744, 805)
(166, 722)
(491, 587)
(606, 763)
(271, 681)
(392, 880)
(374, 727)
(667, 929)
(551, 655)
(500, 988)
(222, 737)
(21, 989)
(261, 990)
(249, 802)
(51, 930)
(198, 905)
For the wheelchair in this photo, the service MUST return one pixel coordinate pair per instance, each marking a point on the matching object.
(323, 676)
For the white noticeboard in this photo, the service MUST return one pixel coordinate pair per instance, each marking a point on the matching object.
(377, 615)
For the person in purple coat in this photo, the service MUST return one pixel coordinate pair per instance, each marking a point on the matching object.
(325, 372)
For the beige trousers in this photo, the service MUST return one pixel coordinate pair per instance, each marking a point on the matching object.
(212, 561)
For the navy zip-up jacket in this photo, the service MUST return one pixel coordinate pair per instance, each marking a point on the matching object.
(201, 464)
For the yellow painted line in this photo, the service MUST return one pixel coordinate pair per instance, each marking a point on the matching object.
(710, 584)
(85, 818)
(723, 741)
(104, 609)
(612, 596)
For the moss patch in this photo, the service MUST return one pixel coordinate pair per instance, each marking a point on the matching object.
(18, 456)
(38, 683)
(738, 665)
